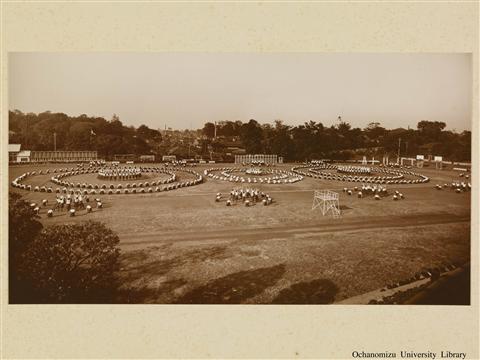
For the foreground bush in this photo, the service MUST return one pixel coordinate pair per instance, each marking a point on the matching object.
(61, 263)
(73, 263)
(23, 227)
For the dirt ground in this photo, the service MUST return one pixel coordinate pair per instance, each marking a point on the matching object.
(181, 246)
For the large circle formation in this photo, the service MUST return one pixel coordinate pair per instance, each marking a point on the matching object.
(171, 183)
(276, 176)
(353, 174)
(143, 170)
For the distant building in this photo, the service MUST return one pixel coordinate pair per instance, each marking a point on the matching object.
(166, 158)
(63, 156)
(124, 157)
(13, 150)
(147, 158)
(16, 155)
(236, 150)
(256, 159)
(24, 156)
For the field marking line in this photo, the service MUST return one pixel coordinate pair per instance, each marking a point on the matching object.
(262, 234)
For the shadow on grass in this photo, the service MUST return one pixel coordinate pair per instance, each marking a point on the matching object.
(144, 277)
(320, 291)
(234, 288)
(145, 295)
(145, 264)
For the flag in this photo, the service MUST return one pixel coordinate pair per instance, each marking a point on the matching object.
(92, 132)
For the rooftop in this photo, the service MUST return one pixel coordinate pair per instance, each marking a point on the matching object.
(24, 153)
(14, 147)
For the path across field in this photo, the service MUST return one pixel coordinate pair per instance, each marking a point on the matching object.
(290, 232)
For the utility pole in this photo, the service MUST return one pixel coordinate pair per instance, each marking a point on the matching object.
(135, 145)
(398, 155)
(25, 137)
(54, 141)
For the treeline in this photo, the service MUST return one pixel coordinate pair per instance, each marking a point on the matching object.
(108, 137)
(313, 140)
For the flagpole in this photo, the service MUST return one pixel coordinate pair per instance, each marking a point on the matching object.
(92, 133)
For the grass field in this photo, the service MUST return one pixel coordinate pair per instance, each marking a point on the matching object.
(183, 247)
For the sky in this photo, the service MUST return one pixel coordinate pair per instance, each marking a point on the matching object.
(185, 90)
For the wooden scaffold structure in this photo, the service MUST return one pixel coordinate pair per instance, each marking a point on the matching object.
(327, 201)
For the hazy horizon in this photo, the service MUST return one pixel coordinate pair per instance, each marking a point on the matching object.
(185, 90)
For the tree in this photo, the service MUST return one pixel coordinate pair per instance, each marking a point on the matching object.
(251, 136)
(72, 263)
(79, 137)
(115, 126)
(145, 133)
(343, 127)
(306, 140)
(425, 125)
(23, 227)
(226, 128)
(141, 146)
(375, 133)
(431, 130)
(209, 130)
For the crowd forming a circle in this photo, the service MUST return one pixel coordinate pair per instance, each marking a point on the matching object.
(272, 176)
(373, 175)
(62, 175)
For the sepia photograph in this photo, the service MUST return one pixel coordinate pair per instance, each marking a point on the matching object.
(239, 178)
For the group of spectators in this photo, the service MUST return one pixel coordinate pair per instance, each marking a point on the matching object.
(248, 196)
(71, 201)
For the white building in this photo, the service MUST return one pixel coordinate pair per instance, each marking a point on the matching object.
(256, 159)
(24, 156)
(13, 150)
(63, 156)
